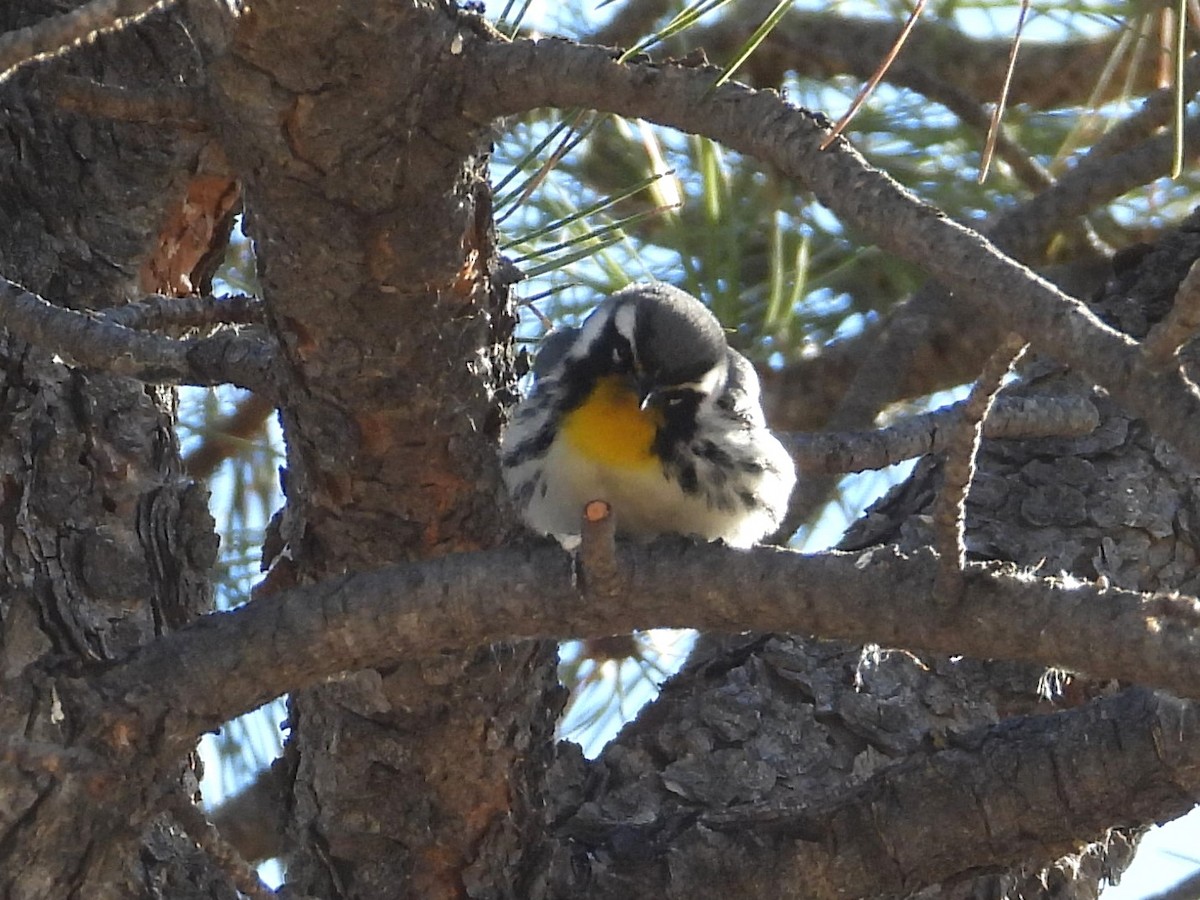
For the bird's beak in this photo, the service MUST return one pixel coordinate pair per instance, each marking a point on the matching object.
(649, 395)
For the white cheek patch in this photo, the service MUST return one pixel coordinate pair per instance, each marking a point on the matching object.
(593, 329)
(709, 384)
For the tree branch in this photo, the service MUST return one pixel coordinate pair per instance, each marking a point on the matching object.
(1123, 160)
(254, 819)
(949, 511)
(929, 334)
(1156, 110)
(823, 45)
(1021, 792)
(951, 346)
(159, 312)
(173, 105)
(229, 435)
(1165, 339)
(227, 357)
(228, 663)
(218, 850)
(52, 36)
(839, 452)
(524, 75)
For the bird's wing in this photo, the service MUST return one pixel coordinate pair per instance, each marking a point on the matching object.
(741, 395)
(551, 351)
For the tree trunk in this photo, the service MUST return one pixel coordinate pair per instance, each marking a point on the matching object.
(774, 765)
(372, 223)
(105, 544)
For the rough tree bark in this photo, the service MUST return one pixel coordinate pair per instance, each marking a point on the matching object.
(357, 134)
(369, 205)
(105, 544)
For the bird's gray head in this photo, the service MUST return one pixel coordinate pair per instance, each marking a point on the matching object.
(669, 345)
(676, 341)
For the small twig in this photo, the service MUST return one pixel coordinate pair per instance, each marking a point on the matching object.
(949, 509)
(1162, 344)
(206, 836)
(158, 312)
(227, 357)
(597, 559)
(52, 36)
(180, 106)
(838, 453)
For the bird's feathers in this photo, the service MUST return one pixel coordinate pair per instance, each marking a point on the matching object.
(712, 469)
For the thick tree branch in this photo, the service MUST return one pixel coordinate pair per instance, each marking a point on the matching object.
(227, 357)
(158, 312)
(192, 680)
(524, 75)
(1021, 792)
(52, 36)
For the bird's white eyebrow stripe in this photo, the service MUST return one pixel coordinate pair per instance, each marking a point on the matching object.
(708, 384)
(625, 320)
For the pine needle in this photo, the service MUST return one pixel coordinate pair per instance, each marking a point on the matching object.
(588, 244)
(516, 22)
(570, 141)
(760, 34)
(684, 19)
(989, 148)
(873, 82)
(589, 210)
(1180, 35)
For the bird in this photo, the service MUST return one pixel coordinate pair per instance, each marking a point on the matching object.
(647, 407)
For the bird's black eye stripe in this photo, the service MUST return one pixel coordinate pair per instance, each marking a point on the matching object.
(622, 354)
(610, 353)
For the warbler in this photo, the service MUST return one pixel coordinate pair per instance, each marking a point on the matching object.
(647, 407)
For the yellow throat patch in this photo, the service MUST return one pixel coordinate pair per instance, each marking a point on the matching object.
(610, 427)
